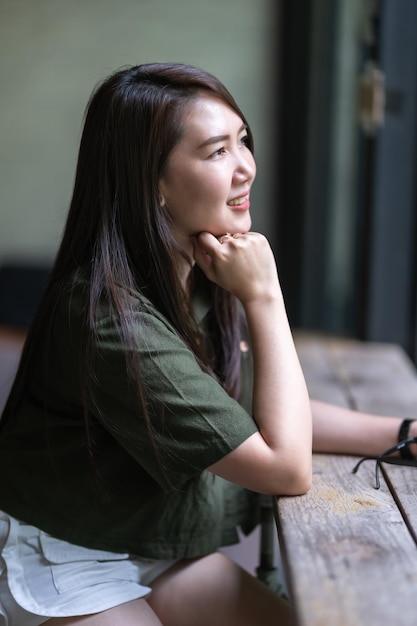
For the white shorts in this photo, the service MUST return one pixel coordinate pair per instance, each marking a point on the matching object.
(43, 577)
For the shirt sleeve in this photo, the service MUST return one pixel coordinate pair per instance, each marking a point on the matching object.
(194, 421)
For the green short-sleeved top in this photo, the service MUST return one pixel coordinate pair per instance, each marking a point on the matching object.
(127, 499)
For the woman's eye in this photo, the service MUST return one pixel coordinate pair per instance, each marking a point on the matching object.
(219, 152)
(245, 140)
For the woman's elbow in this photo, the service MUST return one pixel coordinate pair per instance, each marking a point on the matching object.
(300, 485)
(295, 481)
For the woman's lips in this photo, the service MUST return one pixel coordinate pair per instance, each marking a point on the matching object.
(239, 204)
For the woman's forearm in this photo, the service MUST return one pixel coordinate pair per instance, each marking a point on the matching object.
(281, 405)
(278, 458)
(340, 430)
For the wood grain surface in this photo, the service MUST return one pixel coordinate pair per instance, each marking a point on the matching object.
(349, 556)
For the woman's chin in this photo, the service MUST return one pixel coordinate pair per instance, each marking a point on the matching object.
(240, 226)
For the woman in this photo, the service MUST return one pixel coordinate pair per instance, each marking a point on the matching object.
(136, 433)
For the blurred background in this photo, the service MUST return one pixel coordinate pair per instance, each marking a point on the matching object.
(347, 167)
(53, 53)
(330, 89)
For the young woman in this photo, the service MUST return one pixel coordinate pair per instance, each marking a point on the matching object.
(141, 427)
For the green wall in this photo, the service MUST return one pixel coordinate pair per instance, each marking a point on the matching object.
(53, 52)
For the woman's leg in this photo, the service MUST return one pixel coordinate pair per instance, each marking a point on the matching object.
(212, 591)
(134, 613)
(209, 591)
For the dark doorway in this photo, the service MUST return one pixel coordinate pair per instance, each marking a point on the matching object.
(347, 222)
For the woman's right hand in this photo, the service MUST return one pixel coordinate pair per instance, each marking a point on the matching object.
(241, 263)
(277, 459)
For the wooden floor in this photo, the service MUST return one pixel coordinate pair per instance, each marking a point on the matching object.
(11, 343)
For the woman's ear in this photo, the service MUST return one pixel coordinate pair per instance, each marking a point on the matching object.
(161, 187)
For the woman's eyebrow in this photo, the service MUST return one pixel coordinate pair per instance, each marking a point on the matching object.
(217, 138)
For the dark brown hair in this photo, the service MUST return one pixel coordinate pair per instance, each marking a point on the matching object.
(118, 237)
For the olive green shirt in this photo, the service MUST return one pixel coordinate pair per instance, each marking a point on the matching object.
(126, 498)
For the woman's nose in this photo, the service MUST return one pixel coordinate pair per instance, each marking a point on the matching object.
(245, 168)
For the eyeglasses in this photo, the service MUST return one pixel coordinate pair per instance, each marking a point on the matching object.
(385, 456)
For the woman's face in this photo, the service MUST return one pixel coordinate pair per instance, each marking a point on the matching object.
(209, 174)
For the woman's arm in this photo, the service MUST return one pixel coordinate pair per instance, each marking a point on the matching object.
(340, 430)
(277, 459)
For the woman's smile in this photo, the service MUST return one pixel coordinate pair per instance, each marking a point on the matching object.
(240, 204)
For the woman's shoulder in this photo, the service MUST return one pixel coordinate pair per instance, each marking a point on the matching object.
(78, 291)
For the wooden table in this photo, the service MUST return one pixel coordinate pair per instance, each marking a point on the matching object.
(349, 551)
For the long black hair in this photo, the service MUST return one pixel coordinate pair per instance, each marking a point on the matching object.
(117, 236)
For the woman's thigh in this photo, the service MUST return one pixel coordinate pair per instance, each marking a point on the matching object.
(207, 591)
(134, 613)
(214, 590)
